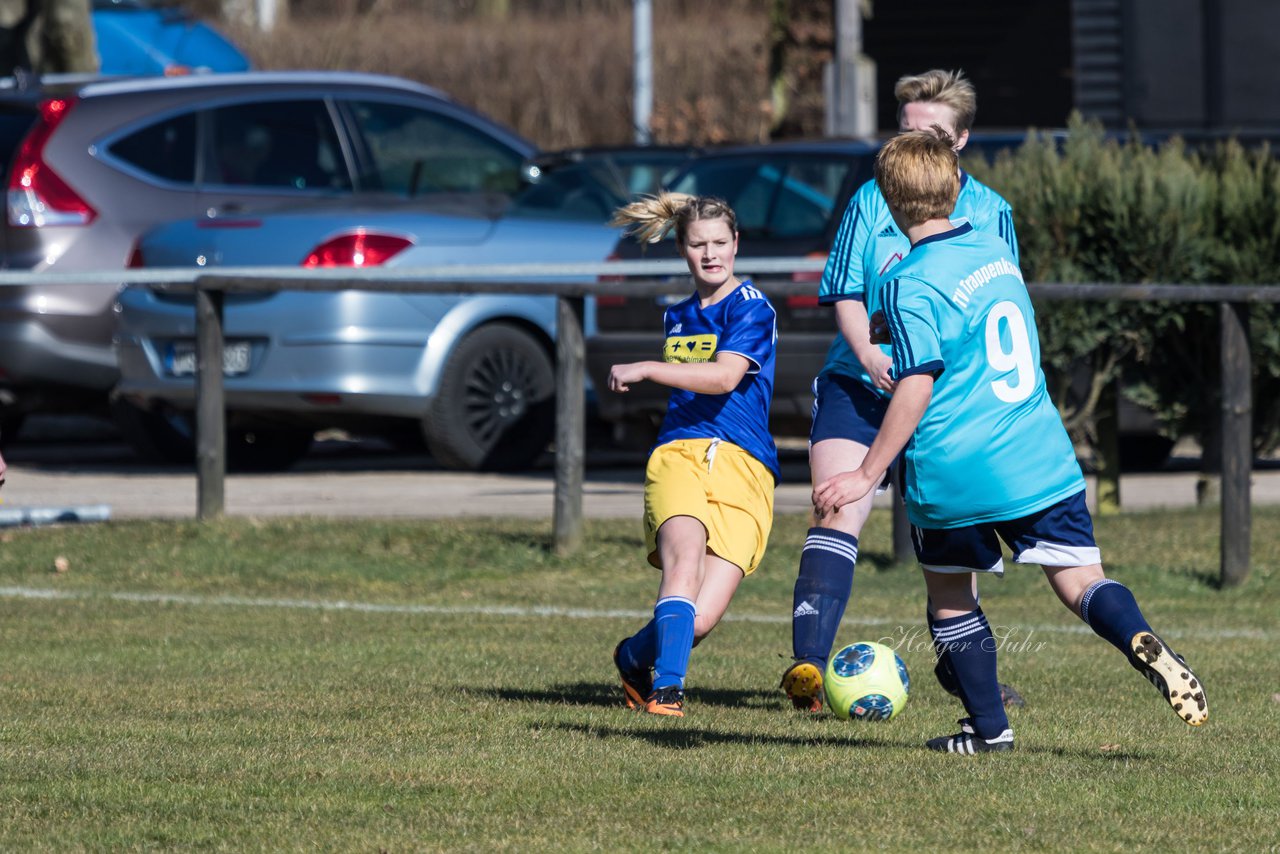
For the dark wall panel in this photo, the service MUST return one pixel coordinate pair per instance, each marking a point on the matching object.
(1250, 80)
(1157, 63)
(1017, 52)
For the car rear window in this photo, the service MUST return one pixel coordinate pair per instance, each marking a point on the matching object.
(164, 150)
(774, 197)
(277, 144)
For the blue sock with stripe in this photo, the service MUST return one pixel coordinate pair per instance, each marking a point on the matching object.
(639, 651)
(821, 593)
(970, 647)
(1111, 611)
(673, 624)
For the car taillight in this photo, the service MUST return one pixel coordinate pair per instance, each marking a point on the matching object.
(357, 249)
(37, 195)
(812, 275)
(613, 257)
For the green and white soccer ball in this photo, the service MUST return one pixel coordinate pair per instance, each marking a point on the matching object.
(866, 681)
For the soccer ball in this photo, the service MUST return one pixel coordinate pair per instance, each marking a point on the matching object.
(866, 681)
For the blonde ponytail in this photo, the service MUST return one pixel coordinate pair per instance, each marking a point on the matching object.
(651, 217)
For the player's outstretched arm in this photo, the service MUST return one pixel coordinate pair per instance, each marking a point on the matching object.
(905, 411)
(719, 376)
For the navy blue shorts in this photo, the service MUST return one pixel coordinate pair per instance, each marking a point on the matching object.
(1059, 535)
(844, 408)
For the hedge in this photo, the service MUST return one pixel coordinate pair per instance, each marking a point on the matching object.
(1094, 208)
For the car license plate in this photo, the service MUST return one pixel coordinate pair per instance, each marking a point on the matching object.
(181, 359)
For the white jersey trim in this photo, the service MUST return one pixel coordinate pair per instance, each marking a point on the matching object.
(1057, 554)
(996, 568)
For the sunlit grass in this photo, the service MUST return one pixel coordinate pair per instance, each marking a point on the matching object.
(260, 700)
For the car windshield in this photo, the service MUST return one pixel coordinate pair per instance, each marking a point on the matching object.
(787, 197)
(592, 187)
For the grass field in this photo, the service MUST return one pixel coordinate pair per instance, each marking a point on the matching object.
(308, 685)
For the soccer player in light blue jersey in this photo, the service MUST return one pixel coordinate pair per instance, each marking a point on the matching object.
(986, 456)
(709, 481)
(852, 390)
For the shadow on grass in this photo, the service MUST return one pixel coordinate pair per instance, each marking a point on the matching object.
(674, 734)
(521, 538)
(1211, 579)
(610, 696)
(575, 694)
(547, 543)
(626, 539)
(881, 561)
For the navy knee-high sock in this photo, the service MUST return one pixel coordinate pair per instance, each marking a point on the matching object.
(971, 649)
(942, 667)
(821, 592)
(1111, 611)
(673, 619)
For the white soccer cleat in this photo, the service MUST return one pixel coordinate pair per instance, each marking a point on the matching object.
(1167, 670)
(968, 742)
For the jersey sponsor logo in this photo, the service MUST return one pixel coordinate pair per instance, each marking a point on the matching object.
(893, 259)
(689, 348)
(980, 277)
(675, 330)
(889, 231)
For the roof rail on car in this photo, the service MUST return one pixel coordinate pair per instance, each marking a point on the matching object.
(24, 80)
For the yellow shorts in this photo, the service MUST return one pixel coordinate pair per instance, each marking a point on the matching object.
(729, 491)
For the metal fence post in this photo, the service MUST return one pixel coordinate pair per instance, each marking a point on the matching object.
(211, 434)
(1237, 443)
(570, 423)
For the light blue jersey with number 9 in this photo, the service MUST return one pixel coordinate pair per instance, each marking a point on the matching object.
(991, 445)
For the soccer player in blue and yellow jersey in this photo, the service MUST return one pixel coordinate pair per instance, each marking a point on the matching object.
(708, 493)
(986, 455)
(852, 390)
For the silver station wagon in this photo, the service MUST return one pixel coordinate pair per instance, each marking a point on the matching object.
(90, 165)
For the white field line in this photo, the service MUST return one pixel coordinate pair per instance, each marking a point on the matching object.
(515, 611)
